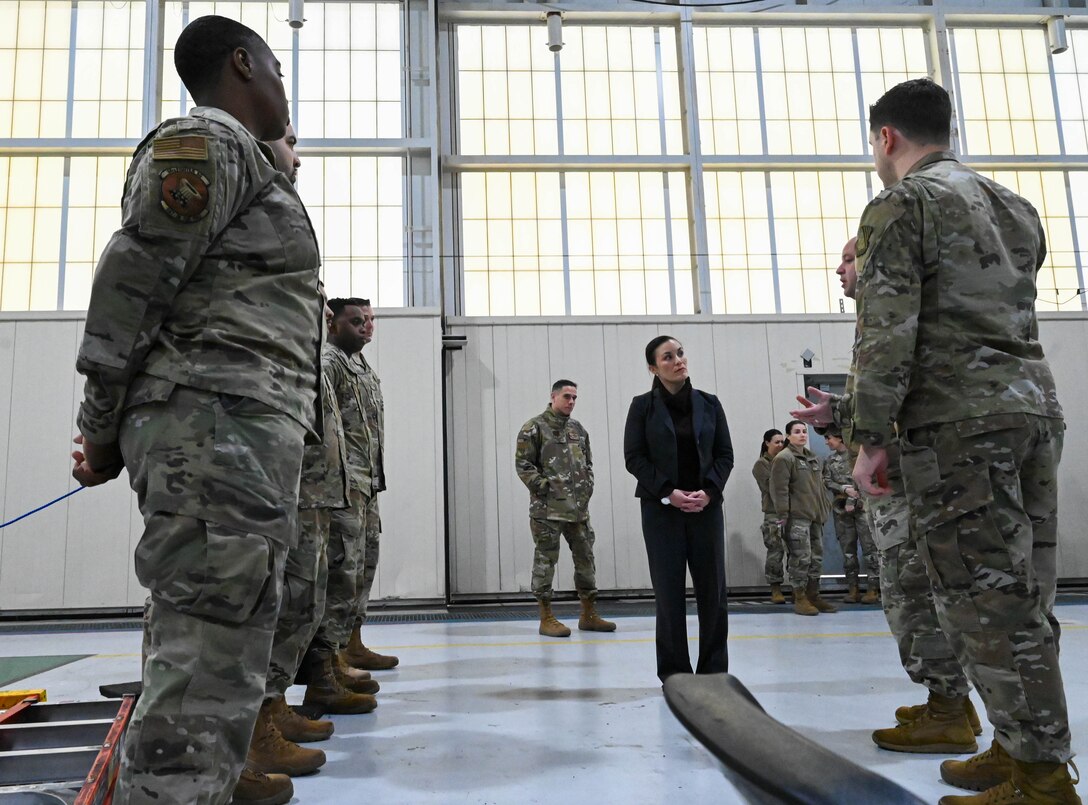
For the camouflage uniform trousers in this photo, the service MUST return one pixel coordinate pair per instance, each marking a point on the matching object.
(345, 564)
(850, 529)
(776, 549)
(804, 551)
(579, 536)
(303, 604)
(907, 598)
(372, 532)
(216, 477)
(983, 493)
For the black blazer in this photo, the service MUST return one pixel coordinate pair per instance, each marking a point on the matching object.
(649, 444)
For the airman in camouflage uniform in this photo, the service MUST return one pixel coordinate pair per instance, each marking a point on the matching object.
(357, 654)
(947, 348)
(800, 501)
(773, 443)
(851, 521)
(201, 379)
(346, 536)
(553, 459)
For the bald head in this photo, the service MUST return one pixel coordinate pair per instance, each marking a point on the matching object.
(847, 270)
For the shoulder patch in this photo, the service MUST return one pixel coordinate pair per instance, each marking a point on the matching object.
(192, 147)
(185, 194)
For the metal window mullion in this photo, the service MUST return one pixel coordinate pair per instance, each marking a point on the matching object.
(775, 279)
(557, 68)
(862, 128)
(65, 193)
(450, 276)
(181, 86)
(154, 25)
(1070, 206)
(294, 78)
(664, 174)
(946, 47)
(702, 297)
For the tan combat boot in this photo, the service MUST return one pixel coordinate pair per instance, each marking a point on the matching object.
(297, 728)
(942, 729)
(907, 714)
(776, 594)
(981, 772)
(851, 596)
(1031, 784)
(359, 656)
(872, 595)
(549, 626)
(801, 606)
(271, 753)
(348, 682)
(255, 788)
(813, 593)
(326, 694)
(590, 621)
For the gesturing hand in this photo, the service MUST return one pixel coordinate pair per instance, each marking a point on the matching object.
(96, 463)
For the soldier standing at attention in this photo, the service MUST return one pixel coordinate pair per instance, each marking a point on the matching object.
(946, 722)
(800, 501)
(851, 524)
(330, 686)
(554, 461)
(772, 444)
(947, 348)
(356, 654)
(200, 354)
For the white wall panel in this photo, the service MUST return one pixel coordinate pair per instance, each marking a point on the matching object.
(78, 553)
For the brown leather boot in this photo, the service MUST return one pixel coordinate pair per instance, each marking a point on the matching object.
(271, 753)
(348, 682)
(872, 595)
(297, 728)
(851, 596)
(359, 656)
(549, 626)
(255, 788)
(590, 621)
(801, 605)
(1031, 784)
(326, 694)
(981, 772)
(942, 728)
(776, 594)
(813, 593)
(907, 714)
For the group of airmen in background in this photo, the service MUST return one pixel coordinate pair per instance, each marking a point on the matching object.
(204, 381)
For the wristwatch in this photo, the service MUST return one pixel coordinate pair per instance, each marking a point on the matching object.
(665, 501)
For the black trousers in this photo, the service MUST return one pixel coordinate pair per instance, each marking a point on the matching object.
(677, 541)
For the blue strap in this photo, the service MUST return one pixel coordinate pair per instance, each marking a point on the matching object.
(43, 506)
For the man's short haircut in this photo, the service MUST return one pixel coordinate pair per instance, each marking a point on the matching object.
(559, 384)
(203, 46)
(919, 108)
(338, 304)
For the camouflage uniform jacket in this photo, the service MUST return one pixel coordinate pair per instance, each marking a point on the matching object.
(554, 461)
(838, 474)
(797, 487)
(324, 481)
(761, 471)
(375, 417)
(946, 330)
(211, 282)
(347, 383)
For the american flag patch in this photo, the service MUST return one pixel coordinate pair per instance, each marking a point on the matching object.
(193, 147)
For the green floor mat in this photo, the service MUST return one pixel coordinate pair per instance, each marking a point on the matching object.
(13, 669)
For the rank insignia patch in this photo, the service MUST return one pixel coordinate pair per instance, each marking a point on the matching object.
(185, 194)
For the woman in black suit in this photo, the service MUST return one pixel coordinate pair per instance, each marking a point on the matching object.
(677, 446)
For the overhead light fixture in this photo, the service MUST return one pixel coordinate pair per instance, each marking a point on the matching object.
(1056, 36)
(555, 31)
(294, 14)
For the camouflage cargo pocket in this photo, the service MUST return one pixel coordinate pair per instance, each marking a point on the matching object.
(204, 569)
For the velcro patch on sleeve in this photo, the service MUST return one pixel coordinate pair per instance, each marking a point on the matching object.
(188, 147)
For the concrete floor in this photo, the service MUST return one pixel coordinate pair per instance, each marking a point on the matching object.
(490, 712)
